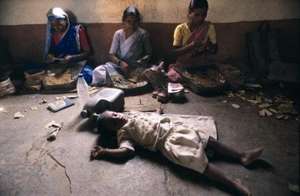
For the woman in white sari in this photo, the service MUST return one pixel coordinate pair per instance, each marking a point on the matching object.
(130, 49)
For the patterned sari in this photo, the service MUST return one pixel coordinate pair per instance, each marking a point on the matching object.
(193, 59)
(63, 75)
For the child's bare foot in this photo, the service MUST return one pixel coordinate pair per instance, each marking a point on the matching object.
(250, 156)
(241, 189)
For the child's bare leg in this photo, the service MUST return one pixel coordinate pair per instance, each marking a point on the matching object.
(214, 174)
(245, 158)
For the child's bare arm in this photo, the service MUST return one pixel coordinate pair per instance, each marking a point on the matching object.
(101, 153)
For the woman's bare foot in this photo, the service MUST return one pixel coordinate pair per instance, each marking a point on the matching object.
(241, 189)
(154, 94)
(250, 156)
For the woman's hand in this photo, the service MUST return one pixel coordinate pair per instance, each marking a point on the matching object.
(198, 48)
(124, 67)
(144, 60)
(67, 59)
(50, 58)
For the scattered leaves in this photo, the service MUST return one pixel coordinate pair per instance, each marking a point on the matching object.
(236, 106)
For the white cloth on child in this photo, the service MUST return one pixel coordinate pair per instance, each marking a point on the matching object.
(180, 138)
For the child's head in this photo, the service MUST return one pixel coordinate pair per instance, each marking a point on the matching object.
(131, 17)
(111, 121)
(197, 11)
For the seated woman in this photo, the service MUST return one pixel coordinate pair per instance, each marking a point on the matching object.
(66, 48)
(130, 50)
(194, 41)
(194, 48)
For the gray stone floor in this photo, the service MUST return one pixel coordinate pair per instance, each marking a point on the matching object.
(29, 165)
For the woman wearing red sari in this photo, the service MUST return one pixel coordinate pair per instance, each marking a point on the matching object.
(194, 42)
(194, 47)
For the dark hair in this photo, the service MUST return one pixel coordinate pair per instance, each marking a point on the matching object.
(131, 11)
(198, 4)
(107, 138)
(98, 118)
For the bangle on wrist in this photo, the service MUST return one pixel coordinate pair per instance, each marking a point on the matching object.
(119, 61)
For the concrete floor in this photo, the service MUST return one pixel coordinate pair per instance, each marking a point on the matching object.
(30, 165)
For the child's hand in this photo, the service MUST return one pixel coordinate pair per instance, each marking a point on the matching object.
(97, 153)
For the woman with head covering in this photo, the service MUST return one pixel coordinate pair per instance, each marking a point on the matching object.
(130, 49)
(67, 46)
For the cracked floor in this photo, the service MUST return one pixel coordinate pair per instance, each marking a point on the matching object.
(30, 165)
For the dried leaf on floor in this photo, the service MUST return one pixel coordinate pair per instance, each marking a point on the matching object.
(268, 100)
(93, 90)
(253, 101)
(265, 112)
(259, 99)
(230, 94)
(241, 97)
(236, 106)
(53, 129)
(252, 85)
(264, 105)
(34, 108)
(3, 110)
(294, 188)
(72, 96)
(43, 101)
(282, 117)
(18, 115)
(242, 92)
(287, 108)
(273, 110)
(54, 124)
(186, 91)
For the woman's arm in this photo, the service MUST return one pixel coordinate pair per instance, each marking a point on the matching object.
(211, 48)
(76, 57)
(147, 50)
(123, 65)
(180, 50)
(113, 58)
(84, 47)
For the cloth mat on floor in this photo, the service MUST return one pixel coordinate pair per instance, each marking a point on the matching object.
(142, 103)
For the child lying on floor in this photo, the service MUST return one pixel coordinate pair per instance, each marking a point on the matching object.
(181, 142)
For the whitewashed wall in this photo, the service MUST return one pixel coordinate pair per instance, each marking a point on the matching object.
(15, 12)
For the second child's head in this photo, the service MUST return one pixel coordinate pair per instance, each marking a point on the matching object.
(131, 18)
(197, 11)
